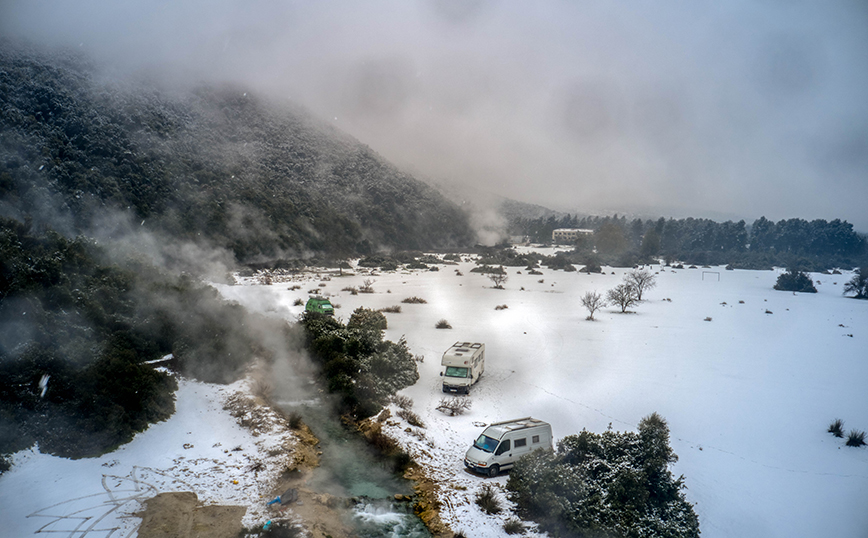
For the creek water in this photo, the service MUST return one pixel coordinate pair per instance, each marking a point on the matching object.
(349, 467)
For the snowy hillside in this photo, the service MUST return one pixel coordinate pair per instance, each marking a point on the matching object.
(748, 395)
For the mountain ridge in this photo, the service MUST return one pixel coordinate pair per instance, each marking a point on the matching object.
(217, 164)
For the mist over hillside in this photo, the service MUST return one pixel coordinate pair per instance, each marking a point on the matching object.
(215, 166)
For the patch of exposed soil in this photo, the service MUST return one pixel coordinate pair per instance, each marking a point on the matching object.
(181, 515)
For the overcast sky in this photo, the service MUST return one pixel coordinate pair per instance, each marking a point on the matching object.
(732, 109)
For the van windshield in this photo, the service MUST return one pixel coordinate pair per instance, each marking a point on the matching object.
(485, 443)
(455, 371)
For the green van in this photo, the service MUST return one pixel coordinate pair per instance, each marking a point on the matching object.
(320, 305)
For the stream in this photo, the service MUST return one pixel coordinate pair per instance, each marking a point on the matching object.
(349, 467)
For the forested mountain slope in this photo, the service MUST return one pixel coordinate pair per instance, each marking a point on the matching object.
(214, 165)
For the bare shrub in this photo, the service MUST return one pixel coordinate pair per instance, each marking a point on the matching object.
(856, 438)
(295, 420)
(367, 286)
(498, 279)
(391, 309)
(414, 300)
(837, 428)
(262, 388)
(352, 289)
(443, 324)
(454, 406)
(412, 418)
(294, 287)
(486, 498)
(623, 295)
(298, 302)
(513, 526)
(501, 307)
(593, 301)
(404, 402)
(642, 280)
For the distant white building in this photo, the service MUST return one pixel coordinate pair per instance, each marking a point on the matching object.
(563, 236)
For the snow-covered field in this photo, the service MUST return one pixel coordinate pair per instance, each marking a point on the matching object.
(201, 448)
(748, 395)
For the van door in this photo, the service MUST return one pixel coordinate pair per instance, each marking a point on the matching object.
(503, 454)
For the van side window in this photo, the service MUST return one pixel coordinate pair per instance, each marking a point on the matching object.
(504, 447)
(520, 442)
(535, 439)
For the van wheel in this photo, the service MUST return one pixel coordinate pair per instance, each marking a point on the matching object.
(493, 470)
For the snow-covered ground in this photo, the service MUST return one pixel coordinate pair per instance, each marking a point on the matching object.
(201, 448)
(748, 395)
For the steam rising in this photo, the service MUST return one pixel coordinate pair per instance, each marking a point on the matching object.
(735, 109)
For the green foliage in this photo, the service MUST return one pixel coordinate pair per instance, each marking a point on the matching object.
(858, 285)
(814, 245)
(88, 327)
(609, 484)
(794, 280)
(359, 366)
(366, 319)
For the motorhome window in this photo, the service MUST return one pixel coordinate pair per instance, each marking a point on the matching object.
(456, 371)
(520, 442)
(485, 443)
(535, 439)
(504, 447)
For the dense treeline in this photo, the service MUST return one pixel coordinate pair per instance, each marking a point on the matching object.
(362, 368)
(809, 245)
(77, 332)
(215, 165)
(606, 485)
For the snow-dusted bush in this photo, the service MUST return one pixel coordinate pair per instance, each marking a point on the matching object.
(794, 280)
(367, 286)
(606, 484)
(513, 526)
(412, 418)
(404, 402)
(414, 300)
(487, 499)
(454, 406)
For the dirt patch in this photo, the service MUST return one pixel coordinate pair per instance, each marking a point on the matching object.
(181, 515)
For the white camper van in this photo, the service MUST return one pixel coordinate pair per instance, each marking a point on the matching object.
(502, 443)
(464, 362)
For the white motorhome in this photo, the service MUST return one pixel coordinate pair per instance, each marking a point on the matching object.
(464, 362)
(503, 443)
